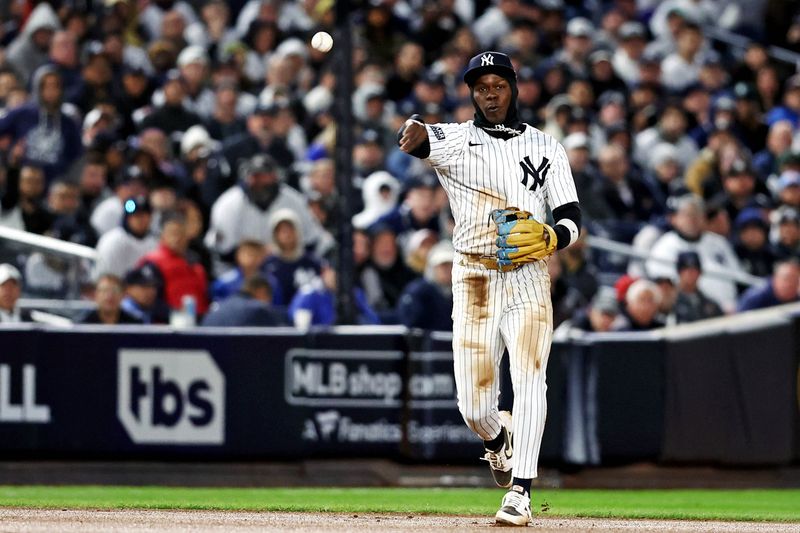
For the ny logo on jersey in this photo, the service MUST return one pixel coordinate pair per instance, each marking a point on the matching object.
(487, 59)
(537, 174)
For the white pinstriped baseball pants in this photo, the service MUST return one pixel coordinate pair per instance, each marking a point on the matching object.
(493, 311)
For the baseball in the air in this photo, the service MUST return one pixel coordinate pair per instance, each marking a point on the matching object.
(322, 41)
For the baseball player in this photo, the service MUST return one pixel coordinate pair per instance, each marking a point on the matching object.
(501, 289)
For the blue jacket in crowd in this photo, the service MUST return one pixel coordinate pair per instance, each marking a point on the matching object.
(241, 310)
(322, 304)
(759, 298)
(423, 305)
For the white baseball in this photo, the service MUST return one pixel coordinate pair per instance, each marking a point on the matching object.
(322, 41)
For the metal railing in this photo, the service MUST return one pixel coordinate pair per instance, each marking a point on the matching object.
(50, 245)
(719, 272)
(76, 255)
(741, 42)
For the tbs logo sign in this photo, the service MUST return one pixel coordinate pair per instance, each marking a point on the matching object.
(171, 397)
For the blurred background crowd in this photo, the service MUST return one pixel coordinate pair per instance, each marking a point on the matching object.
(191, 144)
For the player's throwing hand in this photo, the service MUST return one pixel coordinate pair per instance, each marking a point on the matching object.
(412, 134)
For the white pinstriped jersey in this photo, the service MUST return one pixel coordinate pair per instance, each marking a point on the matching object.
(481, 173)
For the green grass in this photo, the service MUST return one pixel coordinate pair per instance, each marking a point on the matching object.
(776, 505)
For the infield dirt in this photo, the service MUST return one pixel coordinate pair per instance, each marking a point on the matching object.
(138, 520)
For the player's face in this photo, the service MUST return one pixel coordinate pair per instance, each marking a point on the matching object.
(492, 93)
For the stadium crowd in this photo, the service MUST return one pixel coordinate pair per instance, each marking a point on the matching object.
(191, 143)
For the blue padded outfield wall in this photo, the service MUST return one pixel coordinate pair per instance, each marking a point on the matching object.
(716, 395)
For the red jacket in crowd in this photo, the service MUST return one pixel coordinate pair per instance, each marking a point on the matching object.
(180, 278)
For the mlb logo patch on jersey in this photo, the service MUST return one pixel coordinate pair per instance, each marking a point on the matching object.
(438, 132)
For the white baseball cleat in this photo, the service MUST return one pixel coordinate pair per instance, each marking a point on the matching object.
(515, 509)
(502, 461)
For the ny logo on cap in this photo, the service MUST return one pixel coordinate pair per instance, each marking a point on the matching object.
(487, 59)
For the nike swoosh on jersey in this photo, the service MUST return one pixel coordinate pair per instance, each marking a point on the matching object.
(475, 144)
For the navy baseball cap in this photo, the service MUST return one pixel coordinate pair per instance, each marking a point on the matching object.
(136, 204)
(489, 63)
(688, 260)
(750, 216)
(144, 275)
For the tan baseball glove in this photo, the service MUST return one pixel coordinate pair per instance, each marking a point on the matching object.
(521, 238)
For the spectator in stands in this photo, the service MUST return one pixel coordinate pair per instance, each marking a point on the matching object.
(782, 288)
(408, 65)
(788, 188)
(193, 65)
(9, 84)
(362, 246)
(315, 304)
(195, 230)
(663, 176)
(738, 189)
(64, 202)
(260, 138)
(668, 292)
(29, 50)
(45, 135)
(132, 98)
(626, 195)
(587, 180)
(671, 129)
(290, 265)
(565, 298)
(23, 205)
(418, 209)
(689, 234)
(749, 119)
(108, 294)
(601, 315)
(259, 195)
(120, 249)
(172, 116)
(786, 229)
(577, 46)
(717, 219)
(142, 299)
(368, 155)
(704, 175)
(751, 242)
(10, 291)
(790, 110)
(417, 248)
(250, 306)
(319, 187)
(779, 141)
(632, 42)
(682, 67)
(690, 303)
(578, 271)
(226, 121)
(91, 173)
(208, 173)
(427, 302)
(181, 273)
(385, 275)
(64, 56)
(96, 78)
(642, 301)
(250, 257)
(380, 191)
